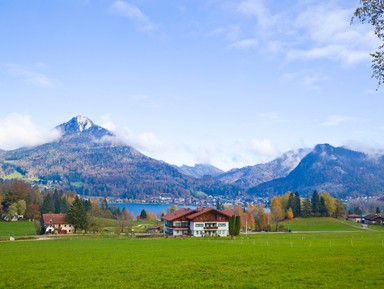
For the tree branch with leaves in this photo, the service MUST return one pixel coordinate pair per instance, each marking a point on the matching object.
(371, 11)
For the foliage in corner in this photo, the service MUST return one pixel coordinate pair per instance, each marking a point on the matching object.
(371, 11)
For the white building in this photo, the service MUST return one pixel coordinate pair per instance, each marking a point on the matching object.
(198, 222)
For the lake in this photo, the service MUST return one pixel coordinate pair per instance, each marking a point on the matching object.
(154, 208)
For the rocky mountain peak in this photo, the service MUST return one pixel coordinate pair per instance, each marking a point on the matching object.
(77, 124)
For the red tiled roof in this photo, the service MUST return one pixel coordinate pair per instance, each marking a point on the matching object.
(229, 213)
(200, 211)
(178, 214)
(192, 213)
(351, 216)
(54, 219)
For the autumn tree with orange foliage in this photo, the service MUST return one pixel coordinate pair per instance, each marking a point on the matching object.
(277, 212)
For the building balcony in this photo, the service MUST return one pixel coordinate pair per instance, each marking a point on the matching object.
(211, 228)
(178, 227)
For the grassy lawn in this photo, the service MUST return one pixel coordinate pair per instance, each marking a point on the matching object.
(321, 224)
(17, 229)
(320, 260)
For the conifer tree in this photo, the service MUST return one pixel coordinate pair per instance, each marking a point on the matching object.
(315, 204)
(298, 205)
(143, 214)
(292, 204)
(322, 207)
(48, 205)
(306, 212)
(237, 226)
(77, 215)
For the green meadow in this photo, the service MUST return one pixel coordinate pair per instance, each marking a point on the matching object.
(340, 259)
(8, 229)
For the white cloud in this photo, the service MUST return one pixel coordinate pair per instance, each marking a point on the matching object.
(305, 31)
(324, 31)
(133, 13)
(307, 78)
(256, 8)
(107, 123)
(33, 77)
(265, 148)
(18, 131)
(244, 44)
(146, 142)
(335, 120)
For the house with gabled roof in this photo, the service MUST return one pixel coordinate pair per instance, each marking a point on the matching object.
(56, 223)
(374, 219)
(199, 222)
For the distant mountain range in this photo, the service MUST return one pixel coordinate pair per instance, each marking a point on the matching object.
(93, 161)
(337, 170)
(200, 170)
(251, 176)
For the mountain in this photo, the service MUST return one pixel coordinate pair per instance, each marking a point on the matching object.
(337, 170)
(200, 170)
(251, 176)
(93, 161)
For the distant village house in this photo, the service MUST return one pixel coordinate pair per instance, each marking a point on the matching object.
(200, 222)
(56, 223)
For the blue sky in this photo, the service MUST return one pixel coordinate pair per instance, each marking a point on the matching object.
(231, 83)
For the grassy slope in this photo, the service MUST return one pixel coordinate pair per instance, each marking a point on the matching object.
(323, 260)
(321, 224)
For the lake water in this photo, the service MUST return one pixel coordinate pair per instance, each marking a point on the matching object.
(154, 208)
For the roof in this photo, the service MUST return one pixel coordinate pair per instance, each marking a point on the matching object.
(178, 214)
(372, 217)
(201, 211)
(192, 213)
(351, 216)
(49, 219)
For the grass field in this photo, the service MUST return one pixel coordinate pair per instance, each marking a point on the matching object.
(321, 224)
(338, 256)
(282, 260)
(8, 229)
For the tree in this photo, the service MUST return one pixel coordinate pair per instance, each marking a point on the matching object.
(371, 11)
(340, 209)
(56, 201)
(232, 225)
(260, 219)
(330, 204)
(12, 211)
(291, 203)
(143, 214)
(306, 211)
(172, 209)
(322, 207)
(64, 205)
(48, 206)
(77, 215)
(237, 225)
(298, 205)
(21, 207)
(290, 214)
(277, 213)
(315, 201)
(378, 211)
(219, 205)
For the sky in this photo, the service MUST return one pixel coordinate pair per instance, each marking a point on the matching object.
(224, 82)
